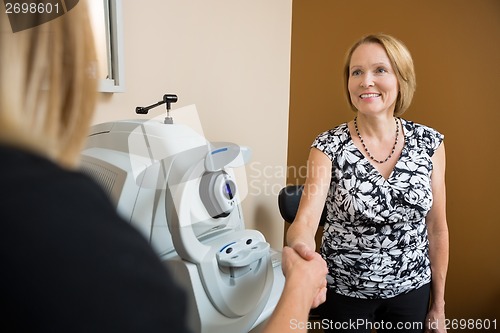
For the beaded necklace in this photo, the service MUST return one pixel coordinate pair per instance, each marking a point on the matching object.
(366, 149)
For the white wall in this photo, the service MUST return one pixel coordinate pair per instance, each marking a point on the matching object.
(232, 59)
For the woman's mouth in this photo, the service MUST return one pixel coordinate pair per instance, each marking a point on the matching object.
(370, 95)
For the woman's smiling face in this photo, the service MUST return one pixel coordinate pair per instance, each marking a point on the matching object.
(373, 85)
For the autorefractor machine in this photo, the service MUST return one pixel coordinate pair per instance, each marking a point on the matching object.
(180, 192)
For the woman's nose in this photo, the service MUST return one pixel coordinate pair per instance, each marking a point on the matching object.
(367, 81)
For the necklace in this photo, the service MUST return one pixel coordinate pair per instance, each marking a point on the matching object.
(366, 149)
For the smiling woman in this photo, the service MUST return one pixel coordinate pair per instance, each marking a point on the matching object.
(385, 252)
(373, 86)
(395, 56)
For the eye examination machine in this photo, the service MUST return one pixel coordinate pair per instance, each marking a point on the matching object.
(180, 191)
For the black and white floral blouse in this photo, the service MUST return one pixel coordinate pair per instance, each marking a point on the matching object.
(375, 240)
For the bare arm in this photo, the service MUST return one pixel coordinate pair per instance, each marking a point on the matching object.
(437, 229)
(303, 229)
(305, 271)
(305, 280)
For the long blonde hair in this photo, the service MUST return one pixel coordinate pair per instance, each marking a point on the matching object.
(48, 85)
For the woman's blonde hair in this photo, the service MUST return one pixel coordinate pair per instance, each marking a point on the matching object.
(401, 62)
(48, 85)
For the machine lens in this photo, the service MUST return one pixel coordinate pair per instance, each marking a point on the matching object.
(229, 190)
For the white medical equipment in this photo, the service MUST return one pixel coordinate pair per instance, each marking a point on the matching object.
(180, 191)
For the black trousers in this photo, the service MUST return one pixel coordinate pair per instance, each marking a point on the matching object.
(402, 313)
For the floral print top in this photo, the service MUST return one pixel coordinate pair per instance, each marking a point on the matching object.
(375, 240)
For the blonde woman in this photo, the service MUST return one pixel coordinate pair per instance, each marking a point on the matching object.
(382, 177)
(69, 262)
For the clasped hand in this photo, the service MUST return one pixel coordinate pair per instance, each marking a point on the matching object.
(307, 268)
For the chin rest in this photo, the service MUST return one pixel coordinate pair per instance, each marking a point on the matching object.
(288, 203)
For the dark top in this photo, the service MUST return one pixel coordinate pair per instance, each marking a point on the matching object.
(375, 239)
(69, 263)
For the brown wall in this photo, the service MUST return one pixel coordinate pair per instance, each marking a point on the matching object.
(456, 48)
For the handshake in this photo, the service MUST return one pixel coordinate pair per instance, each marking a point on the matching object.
(305, 272)
(305, 288)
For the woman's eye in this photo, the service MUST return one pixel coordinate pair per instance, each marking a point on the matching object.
(356, 72)
(381, 70)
